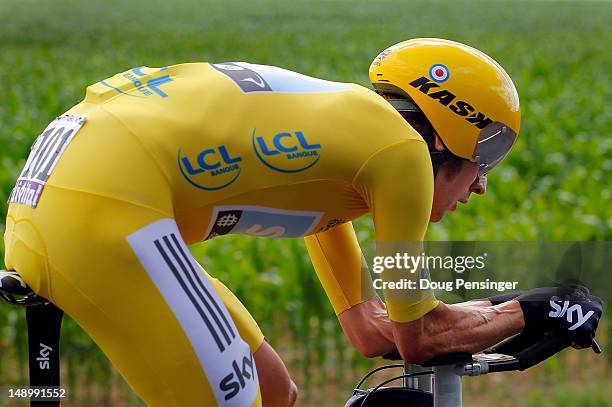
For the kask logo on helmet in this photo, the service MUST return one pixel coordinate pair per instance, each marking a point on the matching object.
(445, 97)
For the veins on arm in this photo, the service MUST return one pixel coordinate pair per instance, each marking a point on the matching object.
(466, 327)
(368, 328)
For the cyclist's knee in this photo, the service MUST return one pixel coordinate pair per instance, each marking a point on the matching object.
(282, 395)
(277, 388)
(292, 394)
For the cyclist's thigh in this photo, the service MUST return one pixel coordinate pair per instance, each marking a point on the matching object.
(275, 384)
(136, 290)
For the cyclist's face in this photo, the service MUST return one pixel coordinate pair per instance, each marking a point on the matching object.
(455, 184)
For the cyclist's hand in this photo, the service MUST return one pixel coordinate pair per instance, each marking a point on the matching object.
(582, 331)
(568, 309)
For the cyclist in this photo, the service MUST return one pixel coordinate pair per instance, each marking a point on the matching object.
(154, 159)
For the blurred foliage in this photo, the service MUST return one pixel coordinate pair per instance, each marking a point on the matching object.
(555, 186)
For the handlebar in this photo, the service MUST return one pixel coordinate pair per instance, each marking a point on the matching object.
(519, 353)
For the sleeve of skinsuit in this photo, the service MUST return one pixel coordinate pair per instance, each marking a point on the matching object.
(340, 266)
(397, 184)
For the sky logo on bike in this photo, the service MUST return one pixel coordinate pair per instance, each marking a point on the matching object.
(562, 308)
(210, 169)
(241, 374)
(44, 362)
(286, 152)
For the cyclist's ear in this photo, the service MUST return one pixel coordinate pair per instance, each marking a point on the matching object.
(438, 143)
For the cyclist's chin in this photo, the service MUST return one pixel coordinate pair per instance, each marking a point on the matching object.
(436, 216)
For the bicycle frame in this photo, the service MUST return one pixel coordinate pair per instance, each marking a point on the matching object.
(445, 384)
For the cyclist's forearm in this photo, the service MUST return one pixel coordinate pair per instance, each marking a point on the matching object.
(368, 328)
(466, 327)
(482, 326)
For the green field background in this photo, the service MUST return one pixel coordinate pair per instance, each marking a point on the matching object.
(555, 186)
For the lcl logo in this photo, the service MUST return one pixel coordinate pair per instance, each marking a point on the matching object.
(211, 168)
(286, 151)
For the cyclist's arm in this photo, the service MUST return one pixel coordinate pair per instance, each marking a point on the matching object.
(343, 272)
(340, 266)
(397, 183)
(368, 327)
(466, 327)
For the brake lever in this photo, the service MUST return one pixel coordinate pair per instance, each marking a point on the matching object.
(595, 346)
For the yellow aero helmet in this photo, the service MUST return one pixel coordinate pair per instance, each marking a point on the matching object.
(467, 97)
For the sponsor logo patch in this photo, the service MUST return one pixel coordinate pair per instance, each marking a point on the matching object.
(439, 73)
(224, 356)
(137, 83)
(247, 79)
(261, 221)
(562, 309)
(242, 373)
(378, 60)
(447, 98)
(44, 156)
(210, 169)
(254, 78)
(286, 151)
(44, 362)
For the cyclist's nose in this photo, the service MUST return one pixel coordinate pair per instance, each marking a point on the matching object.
(479, 186)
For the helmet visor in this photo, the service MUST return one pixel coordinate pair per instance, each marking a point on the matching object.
(494, 143)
